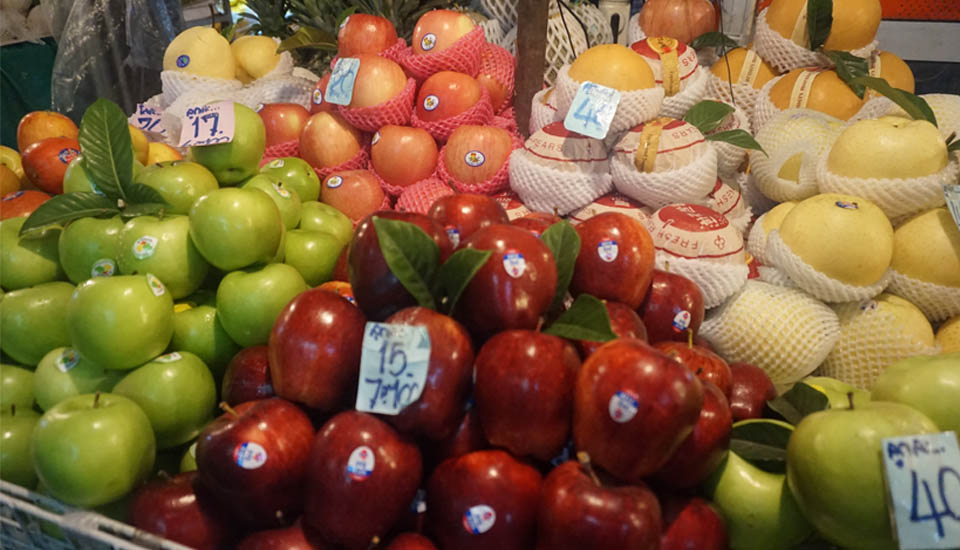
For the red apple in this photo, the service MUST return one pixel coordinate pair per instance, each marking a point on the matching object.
(411, 541)
(577, 511)
(536, 222)
(378, 80)
(253, 459)
(514, 287)
(692, 523)
(284, 538)
(21, 203)
(361, 478)
(356, 193)
(284, 121)
(327, 140)
(315, 350)
(437, 30)
(484, 500)
(402, 155)
(45, 162)
(467, 438)
(173, 509)
(474, 154)
(446, 94)
(318, 103)
(633, 406)
(247, 377)
(362, 33)
(625, 324)
(463, 214)
(524, 392)
(616, 259)
(750, 389)
(341, 271)
(437, 412)
(708, 366)
(672, 308)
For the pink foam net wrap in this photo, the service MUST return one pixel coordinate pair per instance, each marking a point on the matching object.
(358, 162)
(420, 196)
(463, 57)
(499, 64)
(395, 190)
(480, 114)
(506, 120)
(499, 182)
(393, 53)
(286, 149)
(393, 111)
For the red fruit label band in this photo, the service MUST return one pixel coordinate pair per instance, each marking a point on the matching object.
(361, 463)
(249, 455)
(479, 519)
(623, 406)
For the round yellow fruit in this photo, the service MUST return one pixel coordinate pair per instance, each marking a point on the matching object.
(753, 71)
(855, 23)
(888, 147)
(773, 219)
(255, 56)
(927, 248)
(894, 70)
(614, 66)
(844, 237)
(140, 144)
(9, 182)
(948, 337)
(11, 159)
(160, 152)
(201, 51)
(822, 91)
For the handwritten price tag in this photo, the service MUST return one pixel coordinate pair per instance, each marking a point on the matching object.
(147, 119)
(953, 201)
(592, 110)
(923, 478)
(207, 125)
(340, 87)
(393, 367)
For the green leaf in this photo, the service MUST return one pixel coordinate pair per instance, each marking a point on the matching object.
(740, 138)
(800, 401)
(713, 39)
(564, 242)
(229, 32)
(762, 442)
(107, 147)
(345, 14)
(587, 319)
(819, 21)
(708, 115)
(411, 255)
(138, 193)
(309, 37)
(850, 67)
(916, 107)
(953, 146)
(61, 209)
(457, 272)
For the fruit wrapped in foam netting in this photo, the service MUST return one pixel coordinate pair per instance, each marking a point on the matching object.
(737, 78)
(613, 202)
(926, 264)
(816, 89)
(676, 70)
(761, 228)
(946, 107)
(727, 199)
(731, 159)
(544, 110)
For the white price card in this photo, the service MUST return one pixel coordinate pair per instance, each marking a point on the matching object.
(207, 125)
(340, 86)
(923, 480)
(147, 119)
(592, 110)
(953, 201)
(393, 367)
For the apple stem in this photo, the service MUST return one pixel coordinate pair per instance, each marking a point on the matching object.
(584, 458)
(228, 409)
(453, 187)
(540, 323)
(850, 399)
(374, 542)
(96, 400)
(689, 338)
(666, 267)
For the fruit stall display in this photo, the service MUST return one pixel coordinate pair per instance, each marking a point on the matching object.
(680, 307)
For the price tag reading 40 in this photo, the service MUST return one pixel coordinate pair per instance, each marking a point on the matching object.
(393, 367)
(953, 201)
(207, 125)
(592, 110)
(923, 478)
(340, 87)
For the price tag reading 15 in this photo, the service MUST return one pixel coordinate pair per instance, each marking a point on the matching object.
(592, 110)
(393, 367)
(207, 125)
(923, 479)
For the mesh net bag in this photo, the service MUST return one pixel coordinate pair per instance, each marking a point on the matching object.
(176, 83)
(896, 197)
(873, 107)
(462, 57)
(420, 196)
(393, 53)
(544, 110)
(873, 336)
(395, 190)
(782, 330)
(814, 282)
(634, 30)
(774, 276)
(500, 65)
(492, 31)
(785, 55)
(937, 302)
(358, 162)
(946, 107)
(509, 42)
(728, 200)
(286, 149)
(757, 201)
(612, 202)
(545, 188)
(744, 96)
(729, 156)
(500, 181)
(506, 120)
(480, 114)
(396, 110)
(284, 65)
(677, 105)
(757, 242)
(563, 48)
(283, 89)
(504, 11)
(717, 282)
(635, 106)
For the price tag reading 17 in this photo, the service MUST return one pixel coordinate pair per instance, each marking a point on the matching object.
(953, 201)
(207, 125)
(923, 478)
(340, 87)
(393, 367)
(592, 110)
(147, 119)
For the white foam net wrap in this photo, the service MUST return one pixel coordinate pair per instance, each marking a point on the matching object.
(756, 200)
(635, 107)
(937, 302)
(492, 31)
(717, 281)
(176, 83)
(782, 330)
(785, 55)
(543, 113)
(729, 156)
(677, 105)
(504, 11)
(543, 188)
(744, 95)
(946, 107)
(634, 31)
(691, 183)
(774, 276)
(757, 242)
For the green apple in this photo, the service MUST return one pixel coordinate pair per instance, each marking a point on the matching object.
(32, 323)
(835, 470)
(236, 228)
(837, 391)
(320, 216)
(296, 174)
(313, 253)
(288, 203)
(197, 329)
(249, 301)
(93, 449)
(120, 322)
(29, 260)
(189, 461)
(178, 394)
(928, 383)
(89, 247)
(163, 247)
(231, 163)
(64, 373)
(179, 182)
(16, 388)
(77, 179)
(16, 431)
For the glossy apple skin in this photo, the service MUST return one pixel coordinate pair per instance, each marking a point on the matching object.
(625, 324)
(348, 509)
(447, 25)
(703, 450)
(494, 300)
(455, 93)
(626, 278)
(463, 214)
(402, 155)
(270, 495)
(45, 162)
(495, 144)
(750, 389)
(467, 438)
(668, 395)
(283, 538)
(362, 33)
(577, 513)
(437, 412)
(411, 541)
(692, 523)
(327, 140)
(378, 80)
(357, 195)
(706, 365)
(174, 509)
(21, 203)
(492, 478)
(536, 222)
(247, 377)
(315, 350)
(283, 121)
(671, 294)
(378, 291)
(524, 392)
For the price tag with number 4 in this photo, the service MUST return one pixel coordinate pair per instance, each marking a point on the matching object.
(953, 201)
(207, 125)
(592, 110)
(340, 86)
(393, 367)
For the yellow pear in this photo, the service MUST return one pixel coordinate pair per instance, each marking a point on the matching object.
(201, 51)
(614, 66)
(888, 147)
(948, 337)
(255, 57)
(927, 248)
